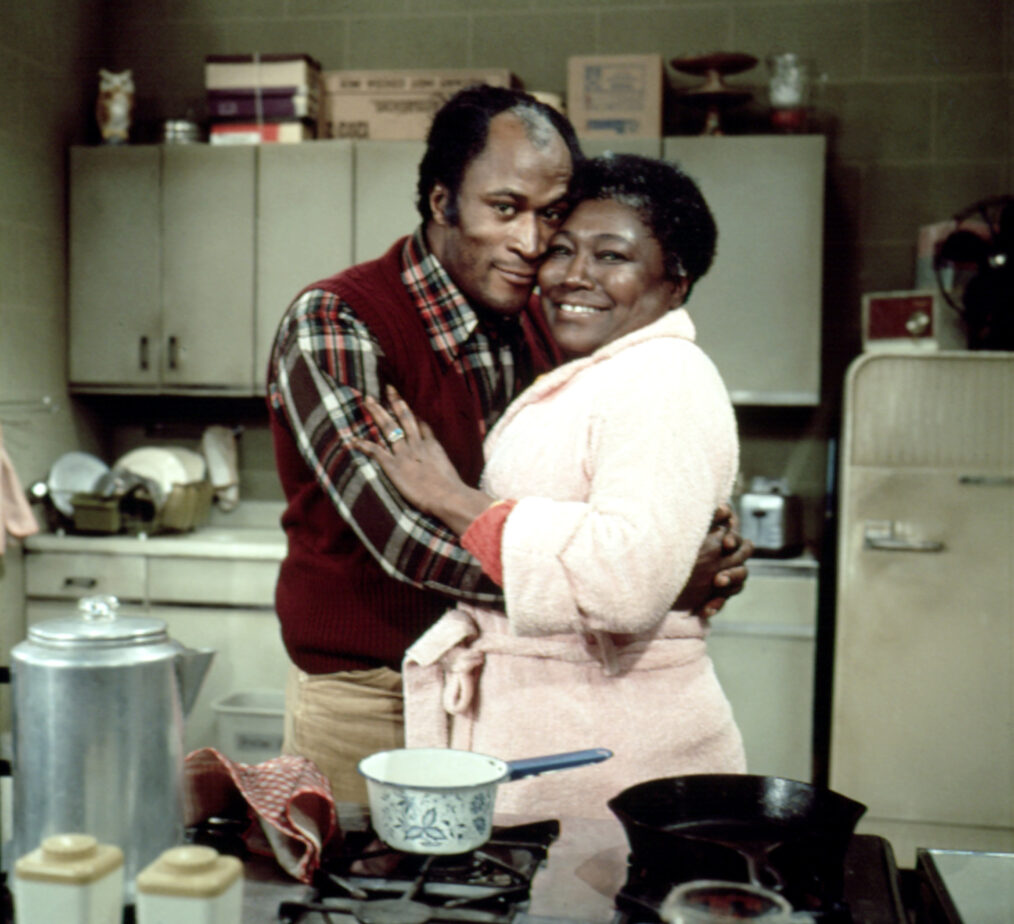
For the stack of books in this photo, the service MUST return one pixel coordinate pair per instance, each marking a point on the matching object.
(263, 98)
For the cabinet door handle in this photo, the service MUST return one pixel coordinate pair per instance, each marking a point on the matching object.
(84, 582)
(883, 536)
(143, 353)
(174, 349)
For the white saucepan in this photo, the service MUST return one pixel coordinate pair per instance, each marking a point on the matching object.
(440, 800)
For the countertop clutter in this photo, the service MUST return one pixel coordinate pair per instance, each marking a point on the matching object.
(251, 531)
(214, 588)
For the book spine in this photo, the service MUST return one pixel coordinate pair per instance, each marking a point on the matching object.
(271, 107)
(254, 133)
(261, 74)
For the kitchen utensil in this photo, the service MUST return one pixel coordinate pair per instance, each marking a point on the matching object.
(713, 95)
(159, 465)
(98, 707)
(194, 465)
(181, 131)
(712, 901)
(440, 800)
(772, 832)
(70, 474)
(770, 517)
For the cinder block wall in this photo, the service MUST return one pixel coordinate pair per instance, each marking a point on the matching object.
(915, 97)
(46, 76)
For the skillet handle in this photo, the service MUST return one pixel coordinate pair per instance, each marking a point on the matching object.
(533, 766)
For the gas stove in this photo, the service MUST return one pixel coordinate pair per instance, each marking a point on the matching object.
(370, 883)
(544, 872)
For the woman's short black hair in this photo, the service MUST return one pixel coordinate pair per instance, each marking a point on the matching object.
(668, 201)
(459, 132)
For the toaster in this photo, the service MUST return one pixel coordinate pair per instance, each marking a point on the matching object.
(770, 516)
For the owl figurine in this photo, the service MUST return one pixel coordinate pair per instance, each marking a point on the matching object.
(115, 105)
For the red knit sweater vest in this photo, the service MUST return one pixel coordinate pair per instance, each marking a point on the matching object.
(338, 609)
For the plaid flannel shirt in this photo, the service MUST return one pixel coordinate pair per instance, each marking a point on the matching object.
(338, 354)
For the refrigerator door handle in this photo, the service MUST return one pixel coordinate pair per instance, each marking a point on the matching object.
(883, 536)
(987, 481)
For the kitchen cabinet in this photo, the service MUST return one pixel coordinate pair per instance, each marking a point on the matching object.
(115, 313)
(758, 309)
(161, 269)
(762, 644)
(923, 688)
(183, 257)
(304, 229)
(387, 173)
(212, 591)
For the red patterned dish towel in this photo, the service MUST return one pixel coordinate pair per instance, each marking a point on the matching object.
(288, 797)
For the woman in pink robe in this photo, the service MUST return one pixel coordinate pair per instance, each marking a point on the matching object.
(599, 487)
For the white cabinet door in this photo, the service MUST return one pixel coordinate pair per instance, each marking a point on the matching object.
(386, 176)
(249, 656)
(115, 308)
(304, 228)
(758, 310)
(208, 266)
(762, 644)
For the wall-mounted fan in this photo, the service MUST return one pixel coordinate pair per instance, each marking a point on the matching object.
(975, 272)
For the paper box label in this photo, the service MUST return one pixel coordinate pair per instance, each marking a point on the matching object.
(612, 95)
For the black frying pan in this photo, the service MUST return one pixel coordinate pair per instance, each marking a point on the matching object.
(772, 832)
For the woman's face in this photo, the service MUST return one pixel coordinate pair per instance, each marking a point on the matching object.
(603, 276)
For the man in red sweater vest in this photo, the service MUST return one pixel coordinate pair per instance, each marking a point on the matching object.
(445, 316)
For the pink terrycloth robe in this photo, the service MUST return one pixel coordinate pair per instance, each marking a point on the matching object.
(618, 461)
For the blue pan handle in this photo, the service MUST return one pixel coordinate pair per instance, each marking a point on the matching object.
(533, 766)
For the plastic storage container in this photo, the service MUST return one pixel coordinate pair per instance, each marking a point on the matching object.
(70, 879)
(250, 724)
(191, 885)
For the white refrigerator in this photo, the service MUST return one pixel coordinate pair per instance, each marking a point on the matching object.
(922, 726)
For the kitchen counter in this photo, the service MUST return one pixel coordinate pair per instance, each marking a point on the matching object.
(251, 532)
(207, 542)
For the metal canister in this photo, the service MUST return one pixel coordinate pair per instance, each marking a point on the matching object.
(98, 706)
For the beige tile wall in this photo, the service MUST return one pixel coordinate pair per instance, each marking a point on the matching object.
(46, 76)
(915, 96)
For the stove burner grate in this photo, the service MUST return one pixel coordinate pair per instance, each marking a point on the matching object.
(378, 885)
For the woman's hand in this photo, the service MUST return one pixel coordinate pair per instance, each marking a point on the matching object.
(412, 457)
(720, 571)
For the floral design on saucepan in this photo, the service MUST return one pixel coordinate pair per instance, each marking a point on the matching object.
(428, 821)
(426, 830)
(479, 818)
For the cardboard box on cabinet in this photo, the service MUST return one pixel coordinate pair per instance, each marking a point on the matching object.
(615, 96)
(396, 105)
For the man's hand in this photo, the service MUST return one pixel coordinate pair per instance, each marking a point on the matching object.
(720, 571)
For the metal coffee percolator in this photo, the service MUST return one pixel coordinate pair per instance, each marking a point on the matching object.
(98, 707)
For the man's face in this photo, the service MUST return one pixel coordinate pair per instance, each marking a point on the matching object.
(510, 202)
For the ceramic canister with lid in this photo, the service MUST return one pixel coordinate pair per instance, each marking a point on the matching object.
(191, 885)
(70, 879)
(98, 706)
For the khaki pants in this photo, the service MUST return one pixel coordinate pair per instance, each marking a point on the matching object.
(335, 720)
